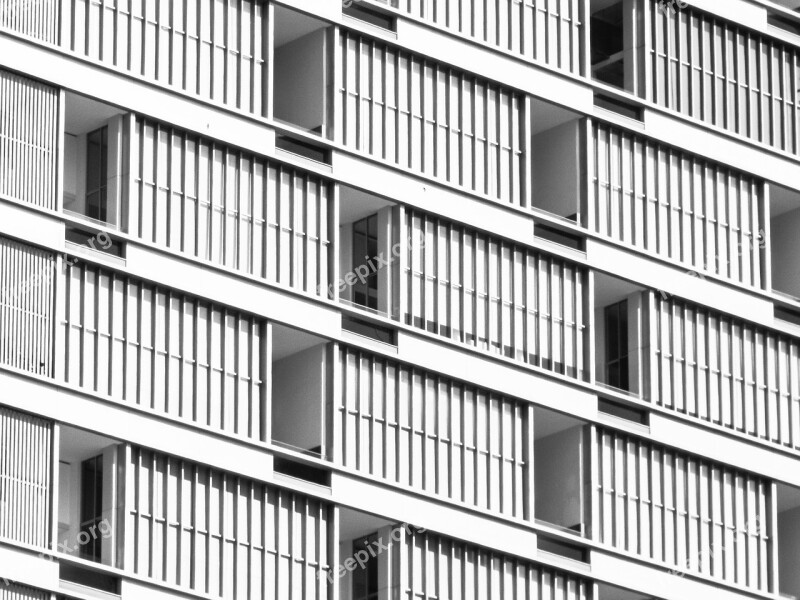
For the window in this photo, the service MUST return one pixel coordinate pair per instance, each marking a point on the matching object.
(608, 45)
(365, 579)
(616, 322)
(365, 249)
(91, 507)
(96, 143)
(97, 174)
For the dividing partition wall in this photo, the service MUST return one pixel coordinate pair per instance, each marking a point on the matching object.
(724, 370)
(25, 478)
(27, 277)
(694, 515)
(676, 205)
(479, 289)
(28, 139)
(550, 33)
(430, 118)
(208, 48)
(724, 74)
(229, 207)
(433, 434)
(203, 530)
(164, 351)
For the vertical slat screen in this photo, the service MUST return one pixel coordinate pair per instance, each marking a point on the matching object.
(693, 515)
(230, 207)
(14, 591)
(433, 434)
(214, 49)
(212, 532)
(28, 140)
(436, 567)
(542, 31)
(34, 18)
(726, 371)
(677, 205)
(726, 75)
(432, 119)
(26, 307)
(494, 295)
(25, 458)
(164, 351)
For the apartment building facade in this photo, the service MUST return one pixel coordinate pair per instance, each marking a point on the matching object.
(382, 299)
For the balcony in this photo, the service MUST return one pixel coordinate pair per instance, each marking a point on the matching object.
(784, 243)
(613, 39)
(300, 391)
(558, 171)
(561, 472)
(94, 161)
(620, 330)
(302, 72)
(788, 530)
(368, 567)
(89, 494)
(369, 271)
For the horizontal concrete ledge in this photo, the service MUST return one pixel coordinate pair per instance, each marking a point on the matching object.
(27, 568)
(70, 407)
(486, 371)
(676, 280)
(419, 512)
(36, 227)
(214, 284)
(723, 147)
(657, 581)
(695, 439)
(501, 219)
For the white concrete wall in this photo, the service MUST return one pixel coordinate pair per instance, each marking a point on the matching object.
(298, 396)
(557, 477)
(557, 169)
(785, 248)
(300, 81)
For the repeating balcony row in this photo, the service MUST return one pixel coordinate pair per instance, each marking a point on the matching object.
(201, 530)
(198, 528)
(163, 351)
(685, 60)
(224, 204)
(252, 215)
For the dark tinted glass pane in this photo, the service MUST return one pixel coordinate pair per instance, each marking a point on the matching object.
(616, 321)
(365, 251)
(94, 160)
(91, 507)
(623, 373)
(365, 579)
(612, 332)
(97, 174)
(613, 375)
